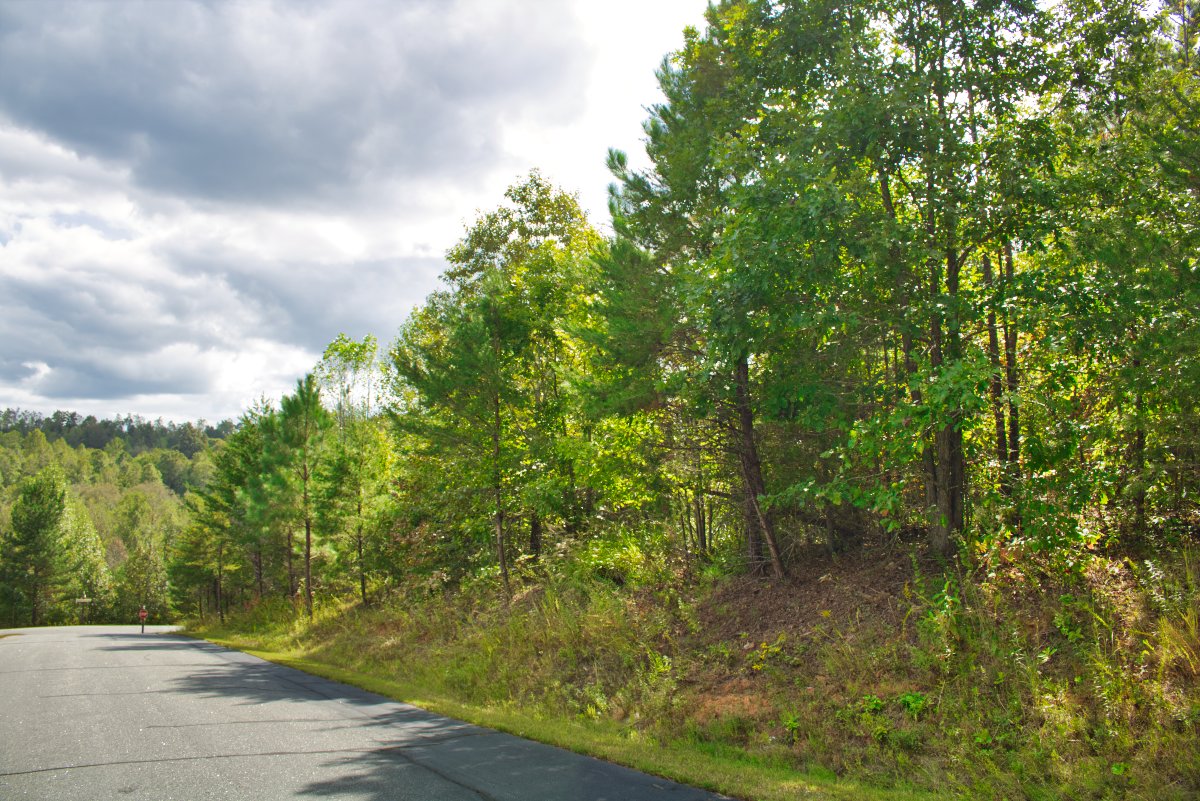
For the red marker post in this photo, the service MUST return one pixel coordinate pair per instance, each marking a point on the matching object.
(142, 613)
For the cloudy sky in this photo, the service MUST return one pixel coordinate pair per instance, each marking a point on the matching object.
(196, 197)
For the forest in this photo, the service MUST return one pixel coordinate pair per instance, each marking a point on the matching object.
(90, 509)
(909, 283)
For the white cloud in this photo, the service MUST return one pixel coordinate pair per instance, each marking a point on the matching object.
(195, 198)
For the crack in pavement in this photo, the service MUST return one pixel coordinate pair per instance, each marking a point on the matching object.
(102, 667)
(120, 762)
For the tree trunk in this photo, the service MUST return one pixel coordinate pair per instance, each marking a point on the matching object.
(258, 570)
(996, 383)
(362, 568)
(535, 535)
(291, 568)
(1011, 374)
(754, 540)
(1010, 358)
(362, 564)
(498, 487)
(946, 469)
(308, 596)
(752, 466)
(220, 577)
(937, 460)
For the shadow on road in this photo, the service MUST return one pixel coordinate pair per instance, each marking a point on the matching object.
(394, 751)
(386, 776)
(248, 680)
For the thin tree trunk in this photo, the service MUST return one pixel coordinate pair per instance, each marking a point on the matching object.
(958, 462)
(220, 578)
(754, 540)
(752, 465)
(358, 516)
(535, 535)
(1012, 379)
(574, 515)
(996, 383)
(498, 487)
(362, 568)
(937, 506)
(308, 594)
(937, 459)
(685, 527)
(258, 570)
(1011, 374)
(291, 567)
(949, 471)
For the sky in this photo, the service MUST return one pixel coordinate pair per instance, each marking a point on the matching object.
(197, 197)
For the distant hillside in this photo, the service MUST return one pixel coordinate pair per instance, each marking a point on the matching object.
(138, 434)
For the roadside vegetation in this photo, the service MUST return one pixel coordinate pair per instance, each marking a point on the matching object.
(878, 674)
(860, 456)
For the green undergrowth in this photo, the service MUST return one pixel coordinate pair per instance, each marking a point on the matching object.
(1009, 680)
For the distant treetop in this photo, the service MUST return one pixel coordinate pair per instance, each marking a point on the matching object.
(137, 433)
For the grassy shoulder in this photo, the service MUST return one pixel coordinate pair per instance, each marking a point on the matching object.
(870, 676)
(731, 773)
(728, 770)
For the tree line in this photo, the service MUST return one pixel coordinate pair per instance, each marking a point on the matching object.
(909, 269)
(915, 269)
(137, 433)
(86, 534)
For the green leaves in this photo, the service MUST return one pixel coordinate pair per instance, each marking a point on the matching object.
(34, 549)
(486, 374)
(893, 265)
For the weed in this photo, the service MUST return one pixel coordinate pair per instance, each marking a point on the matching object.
(791, 726)
(913, 703)
(1179, 641)
(904, 740)
(766, 652)
(722, 652)
(870, 704)
(1066, 621)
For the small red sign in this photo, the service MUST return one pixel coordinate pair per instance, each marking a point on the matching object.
(142, 613)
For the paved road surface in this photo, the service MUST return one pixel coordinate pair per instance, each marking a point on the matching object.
(95, 713)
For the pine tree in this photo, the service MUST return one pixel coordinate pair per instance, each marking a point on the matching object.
(33, 549)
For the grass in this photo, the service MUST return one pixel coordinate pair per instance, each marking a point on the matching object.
(506, 669)
(1005, 682)
(731, 773)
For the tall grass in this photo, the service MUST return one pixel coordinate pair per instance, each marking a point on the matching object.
(1009, 680)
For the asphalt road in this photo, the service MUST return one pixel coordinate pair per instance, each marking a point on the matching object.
(96, 713)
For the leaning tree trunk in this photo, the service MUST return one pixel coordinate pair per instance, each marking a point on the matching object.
(752, 467)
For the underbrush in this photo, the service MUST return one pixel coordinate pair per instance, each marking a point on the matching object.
(1029, 682)
(870, 675)
(565, 647)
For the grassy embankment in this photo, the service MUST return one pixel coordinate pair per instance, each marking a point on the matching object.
(871, 676)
